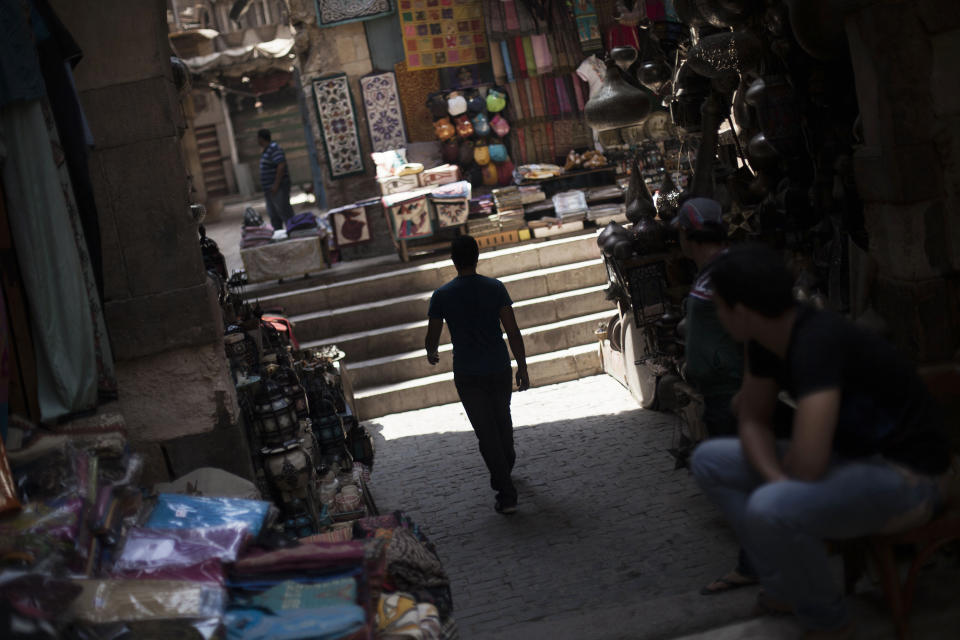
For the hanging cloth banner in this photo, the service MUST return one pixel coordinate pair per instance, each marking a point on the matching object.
(384, 114)
(443, 33)
(333, 12)
(338, 122)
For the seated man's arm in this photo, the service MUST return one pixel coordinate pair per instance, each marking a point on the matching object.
(814, 424)
(432, 341)
(755, 403)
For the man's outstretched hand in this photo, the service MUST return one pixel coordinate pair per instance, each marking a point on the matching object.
(523, 380)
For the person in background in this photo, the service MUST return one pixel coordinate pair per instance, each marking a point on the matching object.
(713, 361)
(474, 308)
(275, 180)
(868, 454)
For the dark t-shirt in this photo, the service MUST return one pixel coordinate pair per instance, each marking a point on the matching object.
(471, 307)
(885, 407)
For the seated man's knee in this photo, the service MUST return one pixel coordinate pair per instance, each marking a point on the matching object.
(768, 507)
(712, 456)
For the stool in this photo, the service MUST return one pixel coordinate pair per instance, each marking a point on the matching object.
(928, 538)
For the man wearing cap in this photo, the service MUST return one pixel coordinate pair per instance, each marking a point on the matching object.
(714, 362)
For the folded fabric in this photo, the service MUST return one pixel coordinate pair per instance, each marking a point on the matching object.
(301, 221)
(279, 234)
(307, 557)
(296, 595)
(505, 56)
(103, 601)
(174, 511)
(303, 233)
(153, 548)
(541, 54)
(323, 623)
(454, 190)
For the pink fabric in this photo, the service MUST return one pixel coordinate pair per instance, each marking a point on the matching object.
(541, 53)
(512, 22)
(578, 90)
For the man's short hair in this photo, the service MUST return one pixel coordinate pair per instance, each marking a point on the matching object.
(264, 134)
(754, 276)
(464, 252)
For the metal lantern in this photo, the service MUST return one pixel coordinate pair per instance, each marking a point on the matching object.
(275, 415)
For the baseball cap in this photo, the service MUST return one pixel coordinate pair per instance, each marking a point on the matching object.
(696, 212)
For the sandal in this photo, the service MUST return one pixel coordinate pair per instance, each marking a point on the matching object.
(728, 583)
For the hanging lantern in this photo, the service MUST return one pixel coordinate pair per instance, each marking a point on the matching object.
(691, 90)
(725, 53)
(275, 417)
(617, 103)
(294, 392)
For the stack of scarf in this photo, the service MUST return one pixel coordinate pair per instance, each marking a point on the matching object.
(256, 236)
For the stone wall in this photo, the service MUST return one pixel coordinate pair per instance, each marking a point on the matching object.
(325, 51)
(161, 312)
(908, 171)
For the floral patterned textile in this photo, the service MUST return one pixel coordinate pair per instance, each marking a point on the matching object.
(331, 12)
(338, 122)
(384, 114)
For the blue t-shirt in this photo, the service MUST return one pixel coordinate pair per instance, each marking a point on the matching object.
(270, 159)
(471, 306)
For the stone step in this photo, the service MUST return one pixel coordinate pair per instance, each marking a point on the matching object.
(413, 307)
(407, 337)
(548, 368)
(430, 275)
(537, 340)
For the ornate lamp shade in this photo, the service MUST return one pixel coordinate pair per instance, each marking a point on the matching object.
(617, 103)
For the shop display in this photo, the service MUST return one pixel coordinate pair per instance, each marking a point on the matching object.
(446, 35)
(409, 214)
(452, 203)
(350, 225)
(332, 12)
(338, 123)
(381, 100)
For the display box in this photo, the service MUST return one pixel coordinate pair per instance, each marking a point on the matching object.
(409, 214)
(451, 203)
(398, 184)
(444, 174)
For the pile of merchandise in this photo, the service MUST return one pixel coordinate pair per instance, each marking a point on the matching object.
(86, 553)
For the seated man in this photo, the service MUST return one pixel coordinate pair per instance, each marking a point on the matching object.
(867, 454)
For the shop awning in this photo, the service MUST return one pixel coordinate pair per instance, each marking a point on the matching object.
(266, 51)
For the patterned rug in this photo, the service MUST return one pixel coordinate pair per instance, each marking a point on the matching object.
(331, 12)
(338, 122)
(414, 87)
(384, 115)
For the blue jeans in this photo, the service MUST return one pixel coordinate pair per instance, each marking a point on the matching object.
(278, 206)
(783, 525)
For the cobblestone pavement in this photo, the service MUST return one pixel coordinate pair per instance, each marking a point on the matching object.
(610, 541)
(603, 514)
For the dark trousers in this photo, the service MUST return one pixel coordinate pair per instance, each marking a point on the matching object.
(486, 399)
(278, 205)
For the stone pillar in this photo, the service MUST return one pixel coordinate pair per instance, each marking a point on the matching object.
(161, 311)
(908, 171)
(325, 51)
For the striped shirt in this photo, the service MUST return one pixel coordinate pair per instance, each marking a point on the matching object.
(271, 157)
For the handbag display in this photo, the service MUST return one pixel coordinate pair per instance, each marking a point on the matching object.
(464, 126)
(456, 104)
(443, 129)
(481, 126)
(481, 154)
(496, 101)
(490, 175)
(498, 152)
(500, 125)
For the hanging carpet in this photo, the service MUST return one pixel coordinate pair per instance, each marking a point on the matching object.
(338, 122)
(381, 99)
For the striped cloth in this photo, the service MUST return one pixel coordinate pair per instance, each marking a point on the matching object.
(271, 157)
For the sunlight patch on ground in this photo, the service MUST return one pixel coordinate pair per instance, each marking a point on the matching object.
(596, 395)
